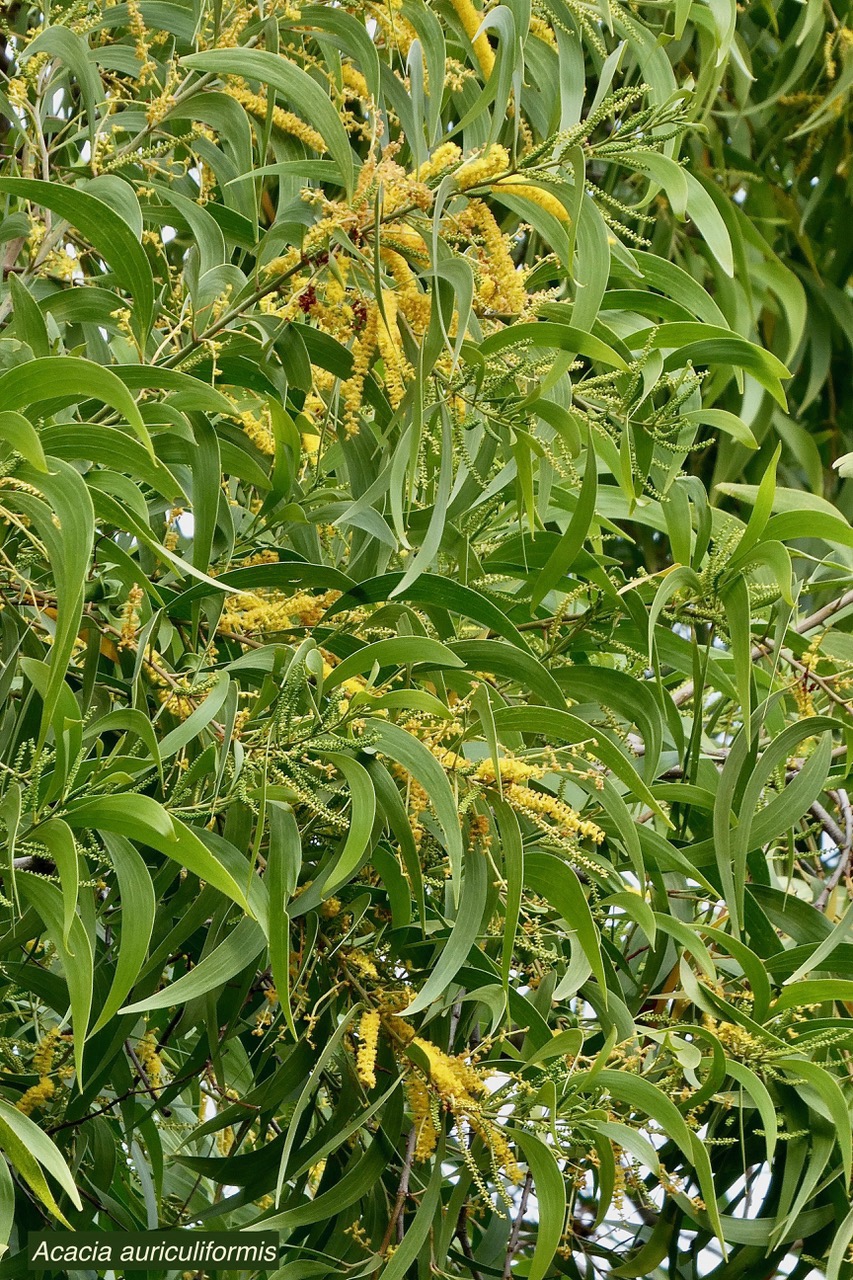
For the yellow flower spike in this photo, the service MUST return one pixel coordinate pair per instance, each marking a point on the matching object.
(404, 240)
(539, 804)
(363, 349)
(511, 770)
(256, 424)
(355, 82)
(544, 32)
(389, 341)
(471, 19)
(412, 303)
(286, 121)
(37, 1096)
(368, 1034)
(419, 1101)
(362, 964)
(149, 1059)
(482, 169)
(516, 186)
(500, 285)
(452, 1077)
(443, 158)
(43, 1056)
(130, 617)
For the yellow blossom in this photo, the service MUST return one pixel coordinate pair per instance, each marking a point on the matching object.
(541, 804)
(419, 1102)
(149, 1059)
(38, 1095)
(482, 169)
(516, 186)
(362, 964)
(43, 1056)
(256, 425)
(500, 285)
(461, 1088)
(444, 157)
(544, 32)
(130, 617)
(363, 350)
(355, 82)
(287, 121)
(412, 302)
(368, 1035)
(511, 770)
(471, 19)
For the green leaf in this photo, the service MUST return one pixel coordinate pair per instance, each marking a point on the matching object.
(67, 527)
(463, 935)
(362, 815)
(57, 838)
(143, 819)
(555, 881)
(72, 379)
(17, 431)
(563, 556)
(705, 214)
(30, 1151)
(760, 1096)
(513, 857)
(7, 1206)
(396, 651)
(138, 909)
(814, 991)
(828, 1090)
(420, 1225)
(550, 1189)
(410, 752)
(105, 230)
(562, 337)
(240, 948)
(294, 84)
(282, 874)
(75, 956)
(74, 52)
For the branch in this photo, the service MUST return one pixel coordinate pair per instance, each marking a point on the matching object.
(402, 1190)
(844, 841)
(512, 1247)
(465, 1242)
(810, 623)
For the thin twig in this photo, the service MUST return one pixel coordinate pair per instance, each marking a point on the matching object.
(842, 799)
(810, 623)
(843, 840)
(143, 1077)
(132, 1092)
(402, 1190)
(465, 1242)
(512, 1247)
(829, 824)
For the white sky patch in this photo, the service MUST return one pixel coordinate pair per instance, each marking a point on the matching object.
(186, 524)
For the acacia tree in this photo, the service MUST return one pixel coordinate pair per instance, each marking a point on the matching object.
(426, 632)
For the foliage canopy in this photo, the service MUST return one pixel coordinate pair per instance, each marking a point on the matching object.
(426, 651)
